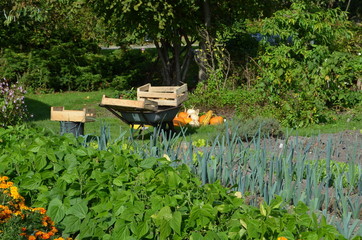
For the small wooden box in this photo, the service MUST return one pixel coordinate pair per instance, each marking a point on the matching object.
(163, 95)
(59, 114)
(124, 104)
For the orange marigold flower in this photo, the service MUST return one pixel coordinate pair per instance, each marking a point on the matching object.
(54, 230)
(45, 236)
(60, 238)
(4, 178)
(38, 233)
(40, 210)
(31, 237)
(23, 229)
(282, 238)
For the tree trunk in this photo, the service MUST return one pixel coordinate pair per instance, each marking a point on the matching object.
(207, 22)
(175, 64)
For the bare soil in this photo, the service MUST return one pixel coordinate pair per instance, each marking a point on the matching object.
(346, 146)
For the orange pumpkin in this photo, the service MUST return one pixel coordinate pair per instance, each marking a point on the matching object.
(178, 121)
(216, 120)
(201, 118)
(183, 114)
(187, 120)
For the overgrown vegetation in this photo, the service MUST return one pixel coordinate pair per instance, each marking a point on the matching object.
(303, 65)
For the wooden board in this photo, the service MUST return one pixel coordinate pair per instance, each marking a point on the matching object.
(130, 104)
(163, 95)
(60, 114)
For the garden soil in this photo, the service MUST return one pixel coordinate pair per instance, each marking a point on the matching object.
(345, 146)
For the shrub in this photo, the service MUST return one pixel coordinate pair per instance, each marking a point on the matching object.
(12, 106)
(309, 67)
(253, 127)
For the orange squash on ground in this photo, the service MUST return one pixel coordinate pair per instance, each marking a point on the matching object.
(187, 120)
(216, 120)
(183, 114)
(178, 121)
(201, 118)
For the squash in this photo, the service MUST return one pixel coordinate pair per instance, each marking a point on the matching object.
(194, 123)
(216, 120)
(178, 121)
(206, 119)
(187, 120)
(201, 118)
(183, 114)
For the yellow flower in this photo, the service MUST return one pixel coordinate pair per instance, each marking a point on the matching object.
(3, 178)
(14, 193)
(282, 238)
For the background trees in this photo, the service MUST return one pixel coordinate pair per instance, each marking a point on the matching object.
(300, 64)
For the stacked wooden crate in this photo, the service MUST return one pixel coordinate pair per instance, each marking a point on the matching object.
(163, 95)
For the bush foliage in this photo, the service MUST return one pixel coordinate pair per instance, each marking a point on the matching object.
(71, 66)
(301, 64)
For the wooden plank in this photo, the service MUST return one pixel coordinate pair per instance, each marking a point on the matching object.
(182, 89)
(59, 114)
(157, 95)
(182, 98)
(163, 89)
(145, 87)
(125, 103)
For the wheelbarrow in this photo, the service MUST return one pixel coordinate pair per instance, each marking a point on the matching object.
(141, 113)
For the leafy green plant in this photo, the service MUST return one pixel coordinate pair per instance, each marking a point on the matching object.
(115, 193)
(304, 67)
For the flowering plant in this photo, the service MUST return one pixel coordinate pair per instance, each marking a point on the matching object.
(12, 106)
(17, 221)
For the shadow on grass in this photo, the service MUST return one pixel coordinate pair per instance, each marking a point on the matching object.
(39, 110)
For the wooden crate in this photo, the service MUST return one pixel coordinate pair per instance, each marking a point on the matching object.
(60, 114)
(125, 104)
(165, 95)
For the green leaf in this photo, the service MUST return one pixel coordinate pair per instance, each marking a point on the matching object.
(196, 236)
(40, 163)
(70, 161)
(175, 222)
(80, 152)
(142, 229)
(71, 223)
(165, 229)
(79, 210)
(148, 163)
(56, 210)
(87, 228)
(262, 210)
(32, 182)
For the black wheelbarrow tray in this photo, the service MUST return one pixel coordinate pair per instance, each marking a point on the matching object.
(133, 114)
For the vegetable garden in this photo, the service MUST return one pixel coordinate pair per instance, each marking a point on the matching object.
(229, 171)
(173, 188)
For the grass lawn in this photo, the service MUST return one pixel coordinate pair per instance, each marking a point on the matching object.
(39, 105)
